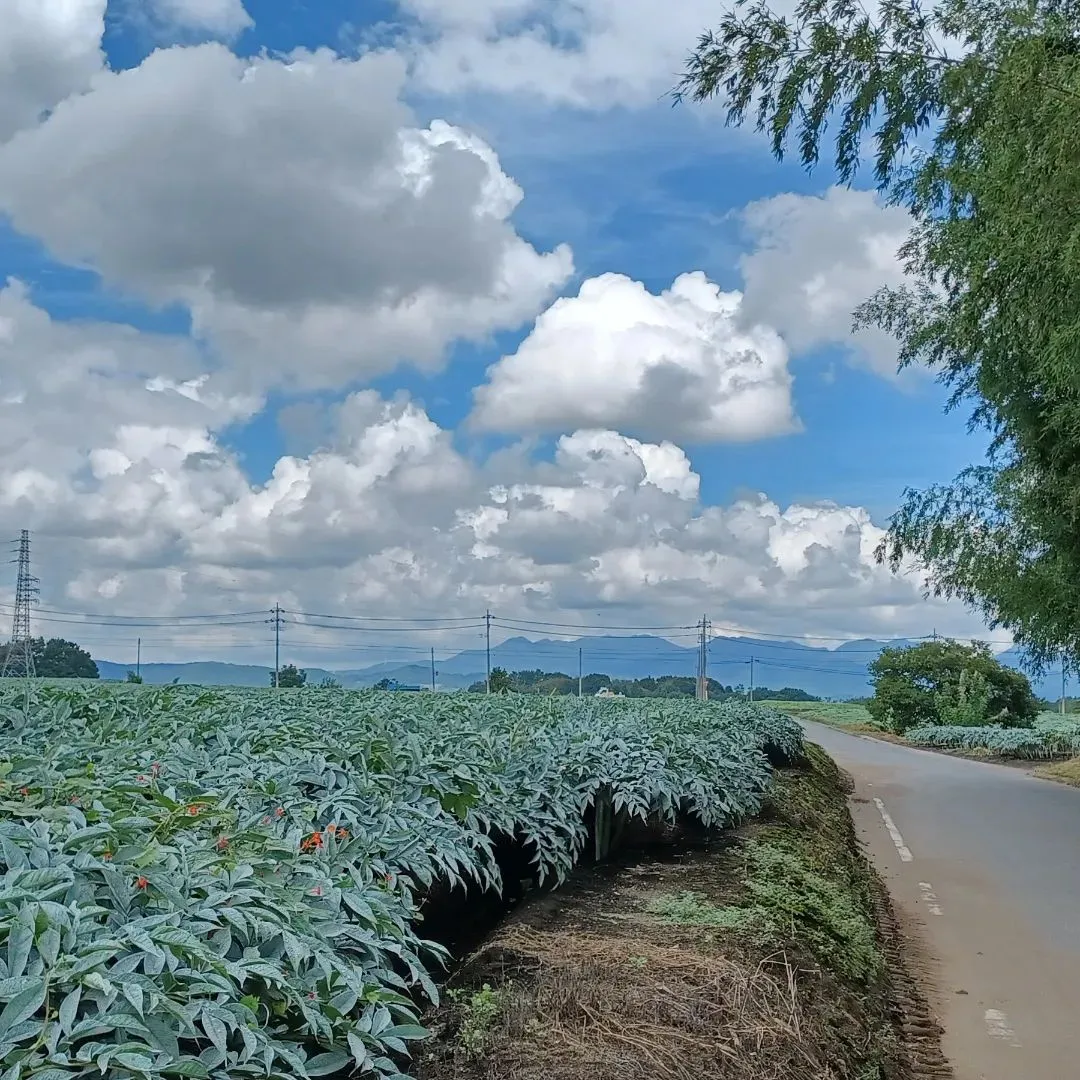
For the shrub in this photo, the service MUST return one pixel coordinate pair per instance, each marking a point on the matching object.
(943, 681)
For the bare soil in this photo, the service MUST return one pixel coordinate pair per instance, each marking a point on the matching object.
(590, 983)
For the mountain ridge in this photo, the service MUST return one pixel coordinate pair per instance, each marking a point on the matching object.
(828, 673)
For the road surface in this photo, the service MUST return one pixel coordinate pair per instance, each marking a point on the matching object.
(983, 864)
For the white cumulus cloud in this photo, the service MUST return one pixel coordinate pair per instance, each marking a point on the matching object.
(586, 53)
(141, 508)
(815, 259)
(223, 18)
(670, 365)
(316, 233)
(49, 49)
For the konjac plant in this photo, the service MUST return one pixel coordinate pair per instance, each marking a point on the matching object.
(229, 883)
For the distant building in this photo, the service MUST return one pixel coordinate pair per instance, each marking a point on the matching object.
(606, 691)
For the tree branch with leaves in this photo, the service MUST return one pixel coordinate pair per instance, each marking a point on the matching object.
(980, 142)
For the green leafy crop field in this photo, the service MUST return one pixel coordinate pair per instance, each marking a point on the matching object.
(836, 713)
(1052, 737)
(230, 883)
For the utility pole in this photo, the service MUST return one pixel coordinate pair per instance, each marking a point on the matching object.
(432, 669)
(752, 677)
(276, 620)
(487, 632)
(1062, 684)
(579, 672)
(19, 661)
(702, 691)
(138, 657)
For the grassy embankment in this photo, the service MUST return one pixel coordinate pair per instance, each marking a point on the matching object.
(759, 954)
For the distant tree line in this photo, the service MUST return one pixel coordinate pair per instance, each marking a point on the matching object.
(58, 659)
(556, 682)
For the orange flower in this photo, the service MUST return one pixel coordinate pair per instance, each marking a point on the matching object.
(312, 842)
(141, 883)
(222, 843)
(193, 810)
(140, 779)
(280, 811)
(24, 791)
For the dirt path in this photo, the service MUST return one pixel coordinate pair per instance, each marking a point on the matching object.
(983, 865)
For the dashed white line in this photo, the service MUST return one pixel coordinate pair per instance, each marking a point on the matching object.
(894, 832)
(931, 901)
(997, 1027)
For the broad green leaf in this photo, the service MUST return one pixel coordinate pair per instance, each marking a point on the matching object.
(69, 1008)
(21, 1007)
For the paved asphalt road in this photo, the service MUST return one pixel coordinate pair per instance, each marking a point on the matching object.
(983, 864)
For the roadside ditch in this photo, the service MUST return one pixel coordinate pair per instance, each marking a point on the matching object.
(768, 952)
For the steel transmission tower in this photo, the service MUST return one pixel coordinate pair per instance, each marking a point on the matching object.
(19, 660)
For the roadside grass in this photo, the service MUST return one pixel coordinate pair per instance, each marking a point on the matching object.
(839, 714)
(1065, 772)
(752, 955)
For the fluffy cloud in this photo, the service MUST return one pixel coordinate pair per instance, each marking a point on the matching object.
(618, 356)
(587, 53)
(316, 234)
(140, 508)
(815, 259)
(222, 18)
(48, 50)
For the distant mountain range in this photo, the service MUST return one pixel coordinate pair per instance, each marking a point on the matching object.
(828, 673)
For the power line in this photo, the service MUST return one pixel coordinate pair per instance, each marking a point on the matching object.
(383, 618)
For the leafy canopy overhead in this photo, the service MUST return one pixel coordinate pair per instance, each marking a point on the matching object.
(972, 116)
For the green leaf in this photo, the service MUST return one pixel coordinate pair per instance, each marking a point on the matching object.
(21, 1007)
(186, 1066)
(405, 1031)
(20, 941)
(324, 1064)
(49, 946)
(135, 1062)
(69, 1008)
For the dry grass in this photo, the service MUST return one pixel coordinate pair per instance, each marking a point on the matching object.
(1065, 772)
(640, 1004)
(595, 982)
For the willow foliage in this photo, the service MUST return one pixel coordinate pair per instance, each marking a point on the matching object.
(971, 115)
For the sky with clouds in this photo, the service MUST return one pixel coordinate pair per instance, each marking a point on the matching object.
(418, 308)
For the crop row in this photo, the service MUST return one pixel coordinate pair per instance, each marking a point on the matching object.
(230, 883)
(1050, 738)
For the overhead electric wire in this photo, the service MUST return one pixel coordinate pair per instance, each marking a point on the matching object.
(385, 618)
(591, 626)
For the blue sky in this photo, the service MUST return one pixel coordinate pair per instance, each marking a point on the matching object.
(610, 172)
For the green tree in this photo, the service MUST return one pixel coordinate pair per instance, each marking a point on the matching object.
(328, 682)
(945, 682)
(59, 659)
(500, 681)
(134, 677)
(983, 148)
(290, 676)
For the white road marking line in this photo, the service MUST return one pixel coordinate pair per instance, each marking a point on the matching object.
(894, 832)
(930, 899)
(997, 1027)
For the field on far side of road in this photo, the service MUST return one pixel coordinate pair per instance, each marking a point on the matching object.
(841, 714)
